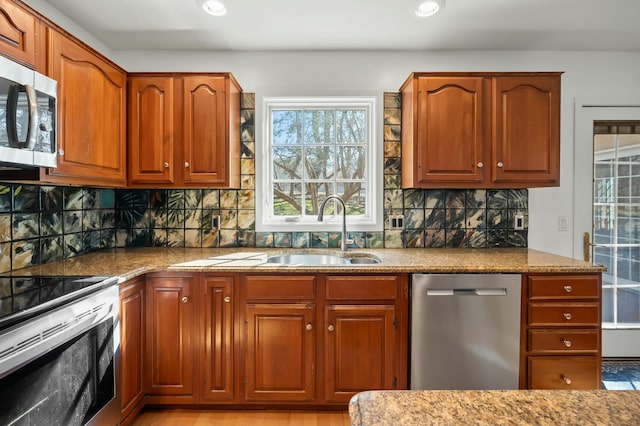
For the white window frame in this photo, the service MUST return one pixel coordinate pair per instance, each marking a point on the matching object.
(265, 220)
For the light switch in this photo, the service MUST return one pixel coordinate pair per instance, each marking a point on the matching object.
(563, 223)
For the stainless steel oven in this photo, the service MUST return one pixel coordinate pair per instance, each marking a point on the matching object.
(28, 121)
(59, 345)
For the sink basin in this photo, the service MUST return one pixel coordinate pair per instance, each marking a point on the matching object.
(309, 259)
(364, 260)
(316, 259)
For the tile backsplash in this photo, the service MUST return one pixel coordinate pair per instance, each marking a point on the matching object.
(39, 224)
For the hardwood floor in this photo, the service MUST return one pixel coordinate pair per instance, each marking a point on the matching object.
(181, 417)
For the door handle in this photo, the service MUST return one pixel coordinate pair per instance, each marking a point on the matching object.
(586, 246)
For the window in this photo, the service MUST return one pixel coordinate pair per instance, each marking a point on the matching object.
(312, 148)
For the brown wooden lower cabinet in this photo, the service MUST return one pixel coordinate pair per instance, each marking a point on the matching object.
(280, 352)
(170, 335)
(132, 344)
(359, 349)
(561, 344)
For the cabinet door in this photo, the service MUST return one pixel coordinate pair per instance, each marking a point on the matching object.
(170, 336)
(91, 116)
(151, 130)
(132, 339)
(280, 352)
(526, 130)
(204, 130)
(359, 345)
(217, 362)
(450, 130)
(17, 33)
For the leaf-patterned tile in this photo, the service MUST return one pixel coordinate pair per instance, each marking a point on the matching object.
(393, 239)
(375, 240)
(211, 238)
(228, 199)
(159, 238)
(246, 219)
(301, 240)
(72, 198)
(414, 218)
(192, 238)
(6, 194)
(25, 225)
(455, 237)
(518, 199)
(5, 228)
(282, 239)
(392, 99)
(246, 239)
(72, 221)
(91, 220)
(435, 199)
(320, 239)
(5, 257)
(51, 223)
(246, 199)
(228, 238)
(51, 198)
(413, 199)
(434, 238)
(23, 253)
(414, 238)
(497, 199)
(435, 218)
(264, 239)
(26, 198)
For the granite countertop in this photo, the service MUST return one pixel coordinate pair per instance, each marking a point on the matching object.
(516, 407)
(131, 262)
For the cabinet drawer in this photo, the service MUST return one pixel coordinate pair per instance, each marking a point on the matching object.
(564, 341)
(280, 287)
(368, 287)
(546, 314)
(564, 372)
(564, 287)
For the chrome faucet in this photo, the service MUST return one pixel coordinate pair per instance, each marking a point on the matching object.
(345, 241)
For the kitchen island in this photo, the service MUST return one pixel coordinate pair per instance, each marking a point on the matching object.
(522, 407)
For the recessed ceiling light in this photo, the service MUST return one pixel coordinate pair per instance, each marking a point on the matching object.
(429, 8)
(213, 7)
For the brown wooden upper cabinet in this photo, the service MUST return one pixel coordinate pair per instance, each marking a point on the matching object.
(18, 32)
(91, 115)
(184, 130)
(481, 130)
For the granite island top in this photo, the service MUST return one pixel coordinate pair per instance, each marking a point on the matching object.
(516, 407)
(131, 262)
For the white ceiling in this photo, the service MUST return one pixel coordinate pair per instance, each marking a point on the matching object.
(611, 25)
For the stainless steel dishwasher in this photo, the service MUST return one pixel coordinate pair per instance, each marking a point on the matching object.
(465, 331)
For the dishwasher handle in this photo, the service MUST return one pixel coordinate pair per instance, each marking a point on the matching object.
(467, 292)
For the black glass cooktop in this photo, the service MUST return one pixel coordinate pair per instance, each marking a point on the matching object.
(23, 297)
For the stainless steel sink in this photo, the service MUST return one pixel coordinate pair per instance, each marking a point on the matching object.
(316, 259)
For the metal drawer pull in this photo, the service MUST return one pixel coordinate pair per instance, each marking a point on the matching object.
(185, 299)
(567, 343)
(566, 379)
(309, 327)
(331, 328)
(568, 288)
(568, 316)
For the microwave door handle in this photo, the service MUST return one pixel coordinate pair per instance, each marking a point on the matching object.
(12, 116)
(32, 98)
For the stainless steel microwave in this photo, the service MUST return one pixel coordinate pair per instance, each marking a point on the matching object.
(28, 117)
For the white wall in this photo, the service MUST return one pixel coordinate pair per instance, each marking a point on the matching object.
(587, 75)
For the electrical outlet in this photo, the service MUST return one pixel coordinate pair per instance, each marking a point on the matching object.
(518, 221)
(215, 222)
(396, 221)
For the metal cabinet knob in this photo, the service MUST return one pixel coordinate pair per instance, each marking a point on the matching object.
(309, 327)
(567, 343)
(568, 316)
(500, 164)
(186, 164)
(568, 288)
(184, 299)
(61, 152)
(166, 165)
(331, 328)
(227, 299)
(566, 379)
(480, 165)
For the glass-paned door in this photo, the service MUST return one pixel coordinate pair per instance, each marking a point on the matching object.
(616, 220)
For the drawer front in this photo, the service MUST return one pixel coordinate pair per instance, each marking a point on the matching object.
(573, 314)
(280, 287)
(564, 372)
(564, 287)
(368, 287)
(563, 341)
